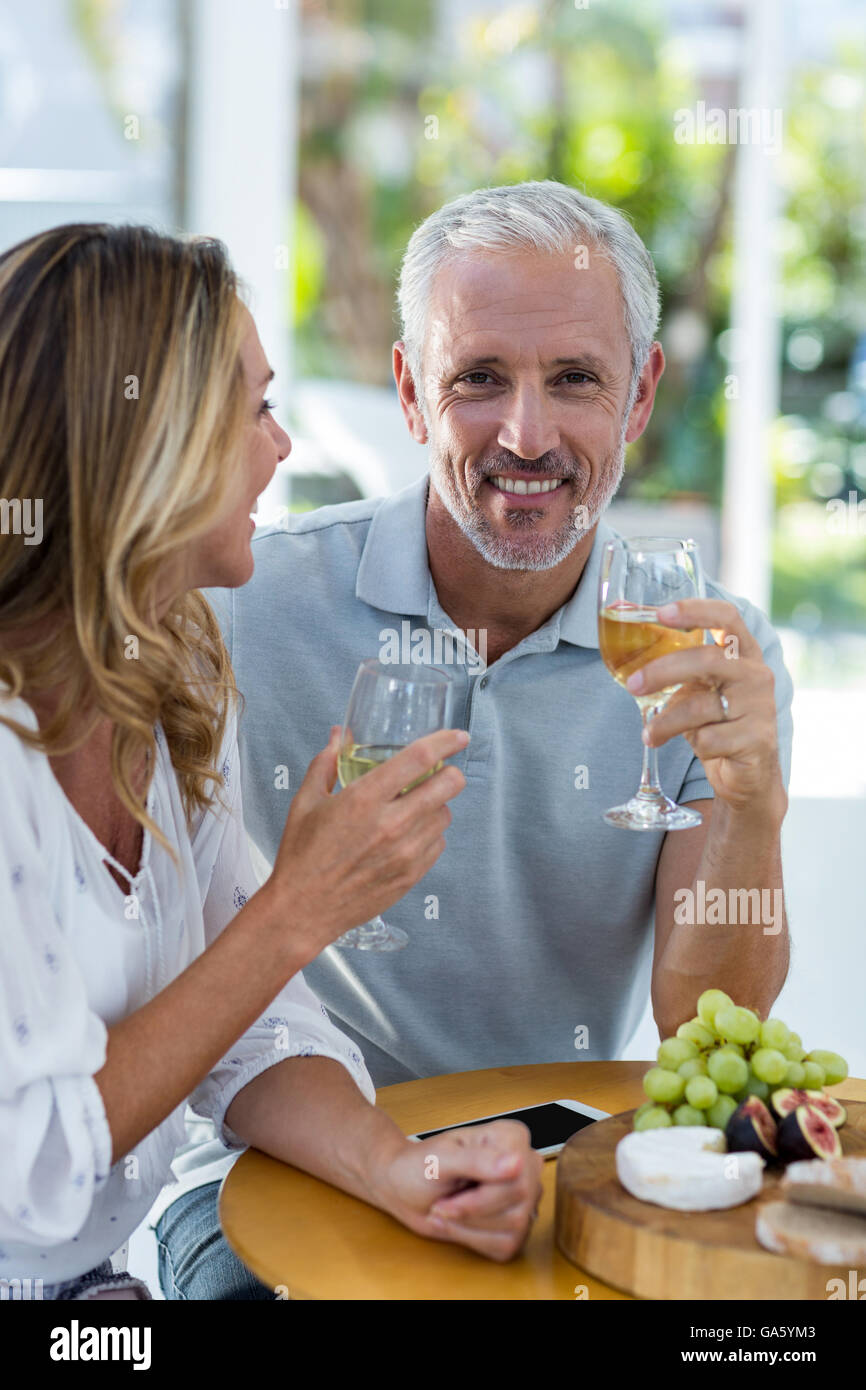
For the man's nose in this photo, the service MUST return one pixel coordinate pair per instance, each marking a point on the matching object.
(528, 428)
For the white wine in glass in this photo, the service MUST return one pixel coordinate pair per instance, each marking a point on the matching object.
(390, 707)
(356, 759)
(637, 578)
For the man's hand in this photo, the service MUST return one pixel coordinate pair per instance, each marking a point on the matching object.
(478, 1187)
(737, 745)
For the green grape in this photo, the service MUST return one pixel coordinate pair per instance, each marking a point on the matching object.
(726, 1014)
(736, 1048)
(775, 1033)
(673, 1051)
(794, 1049)
(688, 1115)
(795, 1075)
(754, 1087)
(654, 1118)
(835, 1067)
(696, 1032)
(814, 1078)
(729, 1071)
(737, 1025)
(720, 1112)
(642, 1109)
(701, 1092)
(695, 1066)
(664, 1086)
(770, 1065)
(709, 1002)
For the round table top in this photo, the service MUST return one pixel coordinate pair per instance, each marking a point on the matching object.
(300, 1234)
(295, 1231)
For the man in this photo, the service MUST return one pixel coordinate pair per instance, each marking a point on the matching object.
(528, 361)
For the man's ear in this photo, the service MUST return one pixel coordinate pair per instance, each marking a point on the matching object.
(646, 393)
(406, 392)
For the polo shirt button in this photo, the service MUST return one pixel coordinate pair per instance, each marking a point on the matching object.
(483, 682)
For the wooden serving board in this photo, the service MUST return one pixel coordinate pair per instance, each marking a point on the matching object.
(653, 1252)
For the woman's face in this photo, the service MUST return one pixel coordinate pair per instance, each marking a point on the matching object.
(223, 559)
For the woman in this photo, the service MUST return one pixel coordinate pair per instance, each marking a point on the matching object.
(139, 966)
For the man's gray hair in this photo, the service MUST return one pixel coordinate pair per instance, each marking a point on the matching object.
(537, 216)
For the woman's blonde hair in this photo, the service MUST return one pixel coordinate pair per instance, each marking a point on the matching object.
(122, 406)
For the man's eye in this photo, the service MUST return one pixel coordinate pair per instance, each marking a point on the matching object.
(266, 405)
(469, 375)
(583, 377)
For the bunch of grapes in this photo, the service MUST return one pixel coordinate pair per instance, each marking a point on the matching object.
(721, 1056)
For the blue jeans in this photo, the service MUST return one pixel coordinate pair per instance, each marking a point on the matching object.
(195, 1259)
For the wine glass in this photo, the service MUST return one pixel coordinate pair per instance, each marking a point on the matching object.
(390, 706)
(637, 577)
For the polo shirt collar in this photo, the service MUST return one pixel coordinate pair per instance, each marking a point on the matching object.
(578, 621)
(394, 571)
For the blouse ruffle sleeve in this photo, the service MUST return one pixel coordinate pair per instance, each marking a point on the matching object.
(55, 1144)
(296, 1023)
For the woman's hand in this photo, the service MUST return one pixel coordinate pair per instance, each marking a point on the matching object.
(343, 859)
(478, 1187)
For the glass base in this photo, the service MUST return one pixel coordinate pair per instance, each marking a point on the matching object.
(373, 936)
(652, 813)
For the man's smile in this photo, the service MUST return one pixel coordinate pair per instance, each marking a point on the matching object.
(524, 489)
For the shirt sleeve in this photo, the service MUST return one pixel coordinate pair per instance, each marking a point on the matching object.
(55, 1144)
(695, 785)
(296, 1023)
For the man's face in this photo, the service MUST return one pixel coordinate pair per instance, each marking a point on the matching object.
(527, 368)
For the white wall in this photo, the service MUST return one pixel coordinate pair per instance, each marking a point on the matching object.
(242, 152)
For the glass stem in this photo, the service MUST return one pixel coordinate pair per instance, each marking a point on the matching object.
(650, 787)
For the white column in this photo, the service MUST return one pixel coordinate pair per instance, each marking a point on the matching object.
(241, 157)
(747, 502)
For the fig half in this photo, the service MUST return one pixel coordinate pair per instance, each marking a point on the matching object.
(787, 1098)
(752, 1128)
(805, 1133)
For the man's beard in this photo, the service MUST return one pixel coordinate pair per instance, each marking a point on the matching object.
(528, 552)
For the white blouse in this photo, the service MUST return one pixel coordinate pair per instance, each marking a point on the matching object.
(76, 956)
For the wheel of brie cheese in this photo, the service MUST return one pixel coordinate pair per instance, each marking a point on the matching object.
(688, 1168)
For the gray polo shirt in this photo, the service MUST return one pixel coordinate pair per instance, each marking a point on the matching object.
(536, 922)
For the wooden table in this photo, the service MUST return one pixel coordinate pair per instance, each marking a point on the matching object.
(293, 1230)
